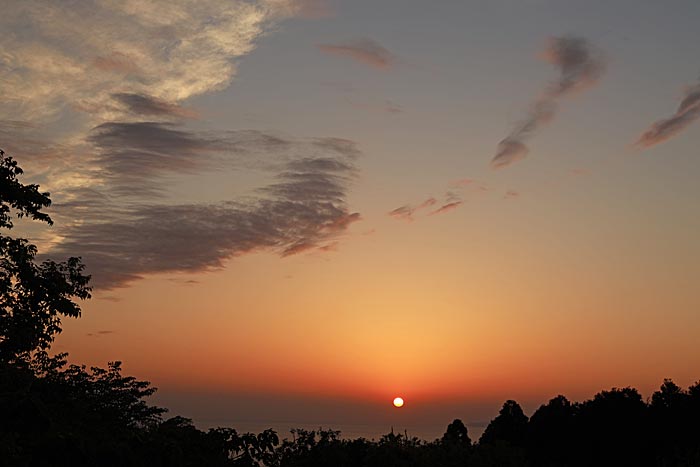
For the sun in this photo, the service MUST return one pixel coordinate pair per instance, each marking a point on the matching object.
(398, 402)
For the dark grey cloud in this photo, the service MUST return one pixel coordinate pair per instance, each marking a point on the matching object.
(109, 188)
(303, 208)
(364, 51)
(688, 111)
(141, 104)
(156, 137)
(134, 157)
(580, 65)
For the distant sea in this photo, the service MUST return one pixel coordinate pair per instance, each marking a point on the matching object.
(371, 420)
(427, 432)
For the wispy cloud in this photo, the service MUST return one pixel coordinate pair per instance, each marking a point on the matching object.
(580, 65)
(118, 75)
(406, 212)
(134, 157)
(102, 62)
(451, 200)
(303, 208)
(82, 55)
(184, 281)
(364, 51)
(446, 207)
(333, 246)
(100, 333)
(688, 111)
(140, 104)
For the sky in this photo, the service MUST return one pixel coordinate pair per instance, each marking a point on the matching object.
(295, 210)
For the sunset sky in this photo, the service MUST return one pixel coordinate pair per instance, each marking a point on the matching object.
(294, 211)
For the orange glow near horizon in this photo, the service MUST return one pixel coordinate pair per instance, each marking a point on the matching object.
(394, 329)
(476, 314)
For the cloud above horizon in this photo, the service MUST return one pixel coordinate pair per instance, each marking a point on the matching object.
(366, 51)
(67, 70)
(580, 66)
(79, 57)
(93, 99)
(140, 104)
(303, 208)
(446, 207)
(406, 212)
(662, 130)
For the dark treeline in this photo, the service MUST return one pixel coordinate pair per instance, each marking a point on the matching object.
(53, 413)
(64, 415)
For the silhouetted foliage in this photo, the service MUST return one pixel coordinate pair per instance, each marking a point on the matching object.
(510, 426)
(550, 435)
(614, 428)
(456, 434)
(25, 200)
(675, 420)
(33, 297)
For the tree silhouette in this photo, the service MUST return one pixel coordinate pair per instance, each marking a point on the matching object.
(509, 426)
(613, 429)
(550, 436)
(456, 434)
(675, 419)
(33, 297)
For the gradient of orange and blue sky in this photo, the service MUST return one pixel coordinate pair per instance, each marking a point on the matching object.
(294, 211)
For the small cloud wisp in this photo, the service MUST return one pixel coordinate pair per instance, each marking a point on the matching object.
(662, 130)
(580, 66)
(365, 51)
